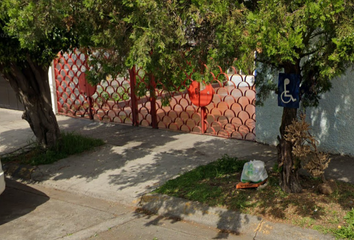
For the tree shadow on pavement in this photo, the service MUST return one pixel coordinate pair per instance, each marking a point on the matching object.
(227, 222)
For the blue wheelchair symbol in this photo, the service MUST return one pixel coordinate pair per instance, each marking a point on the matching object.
(288, 90)
(286, 93)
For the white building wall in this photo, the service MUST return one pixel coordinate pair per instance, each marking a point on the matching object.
(332, 122)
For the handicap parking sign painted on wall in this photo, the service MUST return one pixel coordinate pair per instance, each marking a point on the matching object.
(288, 90)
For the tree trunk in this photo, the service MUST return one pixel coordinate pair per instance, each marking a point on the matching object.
(30, 82)
(289, 177)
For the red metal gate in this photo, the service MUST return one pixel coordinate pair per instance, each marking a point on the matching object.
(231, 113)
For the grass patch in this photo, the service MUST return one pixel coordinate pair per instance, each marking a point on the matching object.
(69, 144)
(347, 231)
(204, 183)
(214, 184)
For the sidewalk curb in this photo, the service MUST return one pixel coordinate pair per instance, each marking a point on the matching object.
(225, 220)
(215, 217)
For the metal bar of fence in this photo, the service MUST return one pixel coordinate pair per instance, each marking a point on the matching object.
(134, 99)
(153, 101)
(203, 119)
(90, 107)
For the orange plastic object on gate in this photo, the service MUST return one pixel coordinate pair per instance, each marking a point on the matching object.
(200, 94)
(85, 87)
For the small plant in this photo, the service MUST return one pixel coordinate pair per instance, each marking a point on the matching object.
(227, 164)
(122, 94)
(165, 100)
(305, 148)
(322, 229)
(305, 222)
(105, 95)
(346, 232)
(276, 168)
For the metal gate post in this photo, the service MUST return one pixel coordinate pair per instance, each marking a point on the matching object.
(134, 99)
(153, 101)
(203, 118)
(90, 107)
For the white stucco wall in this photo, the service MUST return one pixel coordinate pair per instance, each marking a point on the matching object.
(332, 122)
(268, 119)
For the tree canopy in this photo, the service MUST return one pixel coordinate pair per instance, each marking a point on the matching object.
(162, 36)
(171, 38)
(166, 38)
(31, 35)
(314, 35)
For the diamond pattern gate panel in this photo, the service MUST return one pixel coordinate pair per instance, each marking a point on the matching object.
(231, 114)
(110, 103)
(232, 111)
(67, 69)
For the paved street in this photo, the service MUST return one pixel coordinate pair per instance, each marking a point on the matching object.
(31, 212)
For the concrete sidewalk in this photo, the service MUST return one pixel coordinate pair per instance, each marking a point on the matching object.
(136, 160)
